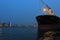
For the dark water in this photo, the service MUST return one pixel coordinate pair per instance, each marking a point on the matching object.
(18, 33)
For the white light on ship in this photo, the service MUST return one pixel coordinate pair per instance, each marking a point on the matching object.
(44, 9)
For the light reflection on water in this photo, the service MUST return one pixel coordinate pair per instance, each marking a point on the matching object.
(18, 33)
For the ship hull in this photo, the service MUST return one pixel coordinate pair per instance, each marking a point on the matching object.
(47, 23)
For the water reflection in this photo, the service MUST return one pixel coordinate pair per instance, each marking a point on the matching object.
(18, 33)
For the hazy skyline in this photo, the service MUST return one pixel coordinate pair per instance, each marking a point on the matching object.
(25, 11)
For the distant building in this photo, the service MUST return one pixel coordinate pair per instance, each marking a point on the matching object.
(1, 24)
(5, 24)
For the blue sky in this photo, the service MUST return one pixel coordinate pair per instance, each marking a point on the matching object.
(25, 11)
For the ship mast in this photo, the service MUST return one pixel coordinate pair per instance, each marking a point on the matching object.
(47, 9)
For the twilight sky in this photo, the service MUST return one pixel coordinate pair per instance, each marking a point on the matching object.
(25, 11)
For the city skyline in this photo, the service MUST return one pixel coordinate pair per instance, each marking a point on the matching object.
(17, 25)
(25, 11)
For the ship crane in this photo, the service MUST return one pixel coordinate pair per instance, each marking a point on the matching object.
(47, 9)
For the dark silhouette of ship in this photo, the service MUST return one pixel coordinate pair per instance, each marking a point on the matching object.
(48, 23)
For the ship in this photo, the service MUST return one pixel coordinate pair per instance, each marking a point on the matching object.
(48, 25)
